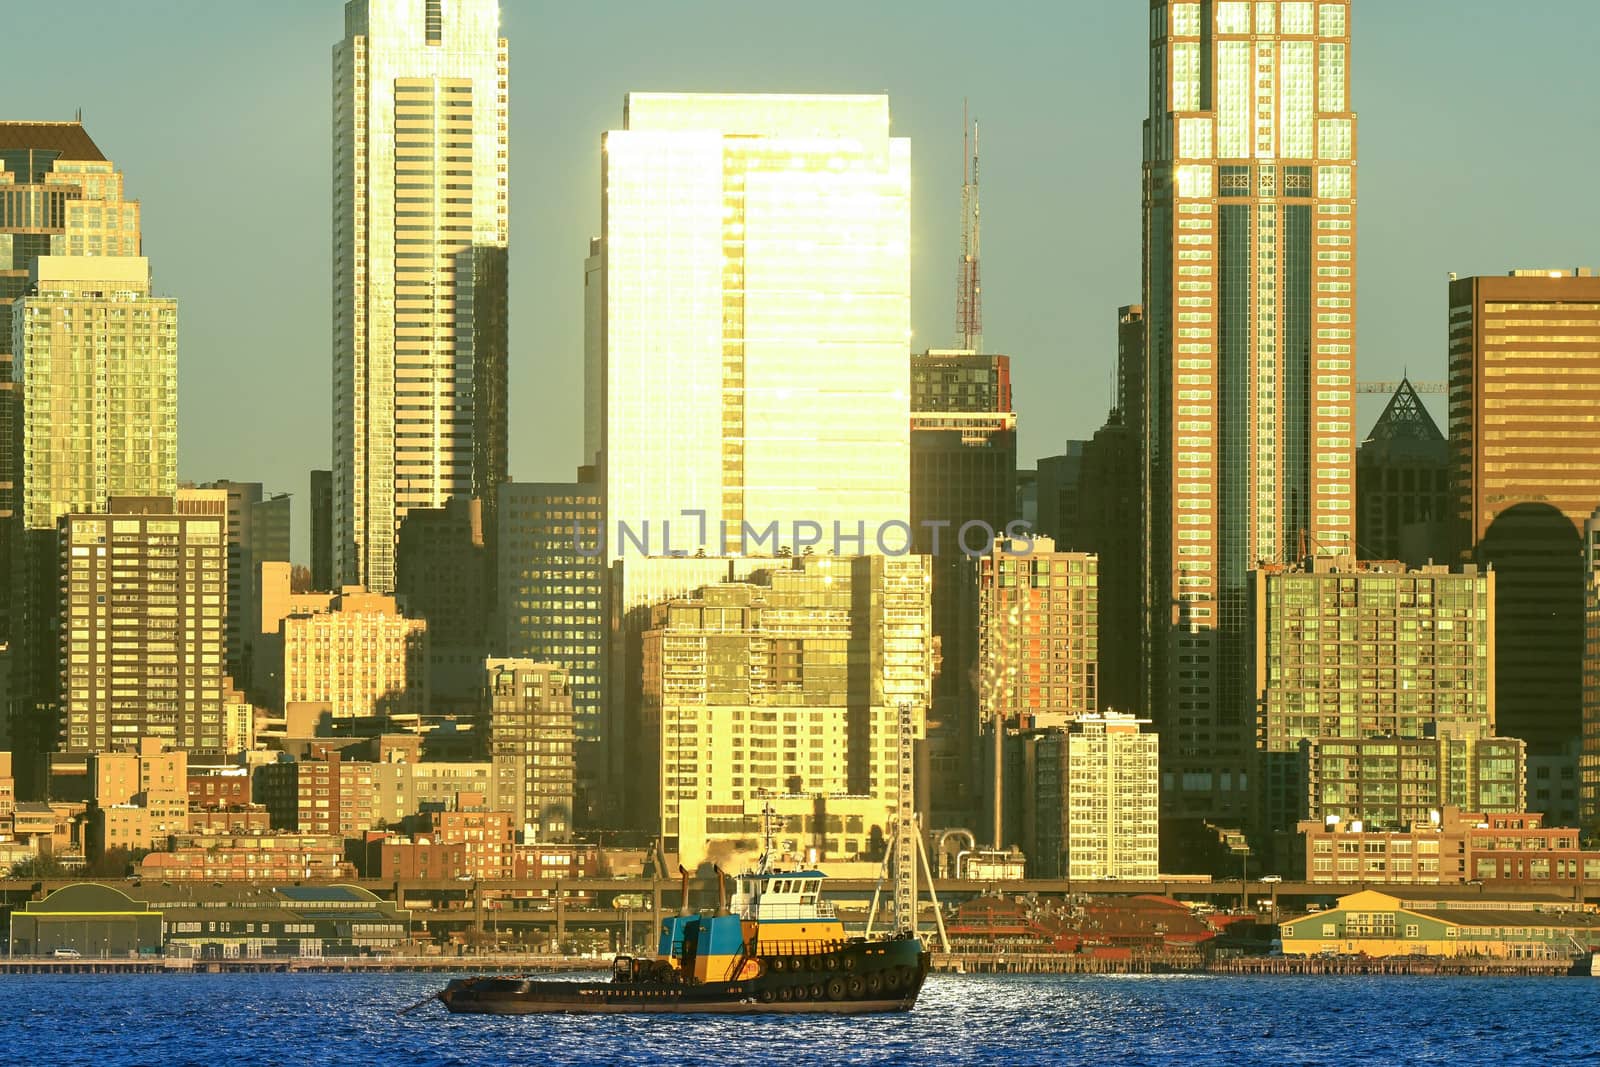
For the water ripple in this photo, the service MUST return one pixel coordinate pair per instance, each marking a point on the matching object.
(315, 1020)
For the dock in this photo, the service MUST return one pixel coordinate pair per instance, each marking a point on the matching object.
(1074, 963)
(497, 964)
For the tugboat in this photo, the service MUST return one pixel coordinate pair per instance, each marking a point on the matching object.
(778, 948)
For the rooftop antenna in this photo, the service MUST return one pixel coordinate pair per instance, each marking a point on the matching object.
(969, 293)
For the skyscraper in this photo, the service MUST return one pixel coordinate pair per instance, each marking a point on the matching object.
(322, 530)
(420, 224)
(94, 378)
(33, 214)
(963, 469)
(528, 715)
(1403, 504)
(1249, 304)
(258, 532)
(1525, 467)
(754, 317)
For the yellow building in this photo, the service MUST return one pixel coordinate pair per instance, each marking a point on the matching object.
(360, 657)
(748, 321)
(785, 686)
(1445, 924)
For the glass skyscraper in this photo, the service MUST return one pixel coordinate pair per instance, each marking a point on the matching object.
(1249, 299)
(753, 317)
(420, 217)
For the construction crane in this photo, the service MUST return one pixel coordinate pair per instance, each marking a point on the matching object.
(1388, 387)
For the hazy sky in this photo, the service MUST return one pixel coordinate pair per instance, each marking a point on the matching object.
(1479, 150)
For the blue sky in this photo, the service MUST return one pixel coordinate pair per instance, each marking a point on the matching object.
(1479, 150)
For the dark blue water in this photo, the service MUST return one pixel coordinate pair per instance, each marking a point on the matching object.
(307, 1020)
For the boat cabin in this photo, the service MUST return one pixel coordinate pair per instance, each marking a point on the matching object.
(780, 895)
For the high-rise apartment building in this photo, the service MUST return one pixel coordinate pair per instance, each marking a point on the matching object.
(1589, 744)
(1390, 782)
(1347, 651)
(144, 604)
(360, 657)
(1403, 500)
(528, 708)
(550, 599)
(963, 470)
(1038, 630)
(1093, 806)
(754, 318)
(1524, 385)
(420, 232)
(93, 387)
(46, 169)
(1038, 649)
(1249, 318)
(789, 684)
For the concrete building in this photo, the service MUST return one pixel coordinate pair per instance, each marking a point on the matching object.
(1387, 782)
(1589, 743)
(1092, 806)
(361, 657)
(1038, 630)
(1404, 509)
(763, 240)
(420, 205)
(788, 684)
(531, 740)
(258, 532)
(444, 575)
(138, 798)
(1384, 924)
(488, 837)
(1525, 466)
(144, 602)
(59, 196)
(1249, 297)
(322, 530)
(963, 469)
(1349, 651)
(551, 600)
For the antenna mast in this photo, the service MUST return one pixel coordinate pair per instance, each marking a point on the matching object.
(969, 293)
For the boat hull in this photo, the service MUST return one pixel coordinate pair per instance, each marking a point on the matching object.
(858, 980)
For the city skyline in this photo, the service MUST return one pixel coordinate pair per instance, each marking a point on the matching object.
(1036, 232)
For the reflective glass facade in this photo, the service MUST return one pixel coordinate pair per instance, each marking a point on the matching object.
(1249, 312)
(420, 224)
(754, 313)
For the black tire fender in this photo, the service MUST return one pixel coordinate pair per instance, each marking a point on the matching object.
(836, 988)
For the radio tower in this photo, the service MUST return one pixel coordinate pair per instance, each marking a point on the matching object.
(969, 293)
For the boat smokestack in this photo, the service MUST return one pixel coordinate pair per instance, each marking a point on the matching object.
(722, 890)
(683, 890)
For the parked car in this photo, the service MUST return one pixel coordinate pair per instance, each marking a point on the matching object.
(1272, 878)
(67, 954)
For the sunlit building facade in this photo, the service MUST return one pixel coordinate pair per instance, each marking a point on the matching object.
(1525, 470)
(360, 657)
(419, 271)
(789, 684)
(1249, 304)
(753, 312)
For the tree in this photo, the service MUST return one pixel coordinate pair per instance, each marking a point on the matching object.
(40, 867)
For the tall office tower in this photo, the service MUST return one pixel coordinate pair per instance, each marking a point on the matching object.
(144, 610)
(1038, 647)
(790, 684)
(1056, 495)
(1403, 501)
(46, 169)
(444, 575)
(258, 532)
(361, 657)
(528, 716)
(963, 469)
(754, 319)
(1249, 313)
(322, 530)
(419, 306)
(550, 600)
(1346, 651)
(1093, 804)
(1589, 753)
(1109, 502)
(1525, 465)
(94, 369)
